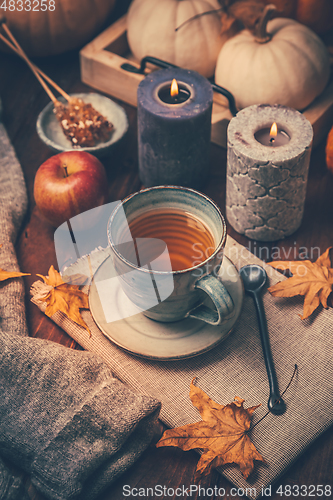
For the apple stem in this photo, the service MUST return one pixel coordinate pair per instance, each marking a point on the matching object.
(65, 168)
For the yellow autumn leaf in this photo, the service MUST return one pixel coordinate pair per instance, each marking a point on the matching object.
(313, 280)
(68, 299)
(5, 275)
(222, 434)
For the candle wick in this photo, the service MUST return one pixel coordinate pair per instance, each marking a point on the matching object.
(272, 139)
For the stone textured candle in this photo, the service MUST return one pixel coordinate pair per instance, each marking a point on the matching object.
(174, 138)
(266, 186)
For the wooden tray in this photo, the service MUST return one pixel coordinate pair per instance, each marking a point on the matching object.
(101, 62)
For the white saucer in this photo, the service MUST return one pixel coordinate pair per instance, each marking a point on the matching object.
(150, 339)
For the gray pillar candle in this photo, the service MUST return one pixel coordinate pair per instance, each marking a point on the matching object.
(174, 133)
(266, 184)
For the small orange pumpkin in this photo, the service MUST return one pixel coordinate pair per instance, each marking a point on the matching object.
(316, 14)
(329, 151)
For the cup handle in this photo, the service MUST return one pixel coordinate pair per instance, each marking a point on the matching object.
(224, 305)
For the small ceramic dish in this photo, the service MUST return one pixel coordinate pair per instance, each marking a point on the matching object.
(51, 133)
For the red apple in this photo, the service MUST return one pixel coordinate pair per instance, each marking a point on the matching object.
(68, 184)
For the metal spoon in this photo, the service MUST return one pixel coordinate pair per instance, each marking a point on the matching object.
(254, 278)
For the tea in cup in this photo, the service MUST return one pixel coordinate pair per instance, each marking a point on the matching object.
(167, 244)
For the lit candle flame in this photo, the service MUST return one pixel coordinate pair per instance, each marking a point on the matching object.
(174, 88)
(274, 130)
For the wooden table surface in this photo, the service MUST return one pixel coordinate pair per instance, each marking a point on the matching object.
(23, 99)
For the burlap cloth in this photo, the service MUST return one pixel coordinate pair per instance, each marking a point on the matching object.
(236, 368)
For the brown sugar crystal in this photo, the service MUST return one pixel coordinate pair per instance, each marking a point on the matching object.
(82, 124)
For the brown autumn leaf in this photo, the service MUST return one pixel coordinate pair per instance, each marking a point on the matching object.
(5, 275)
(244, 12)
(222, 434)
(63, 297)
(314, 280)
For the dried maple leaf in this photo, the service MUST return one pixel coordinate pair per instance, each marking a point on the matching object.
(222, 434)
(244, 12)
(314, 280)
(235, 15)
(68, 299)
(5, 275)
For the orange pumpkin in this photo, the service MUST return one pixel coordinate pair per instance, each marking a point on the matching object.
(316, 14)
(329, 151)
(52, 27)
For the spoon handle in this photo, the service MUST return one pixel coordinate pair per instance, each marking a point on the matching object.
(275, 403)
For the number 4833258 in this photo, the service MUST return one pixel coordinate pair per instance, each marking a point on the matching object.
(27, 5)
(312, 490)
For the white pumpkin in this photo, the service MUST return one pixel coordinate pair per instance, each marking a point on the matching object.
(151, 31)
(290, 66)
